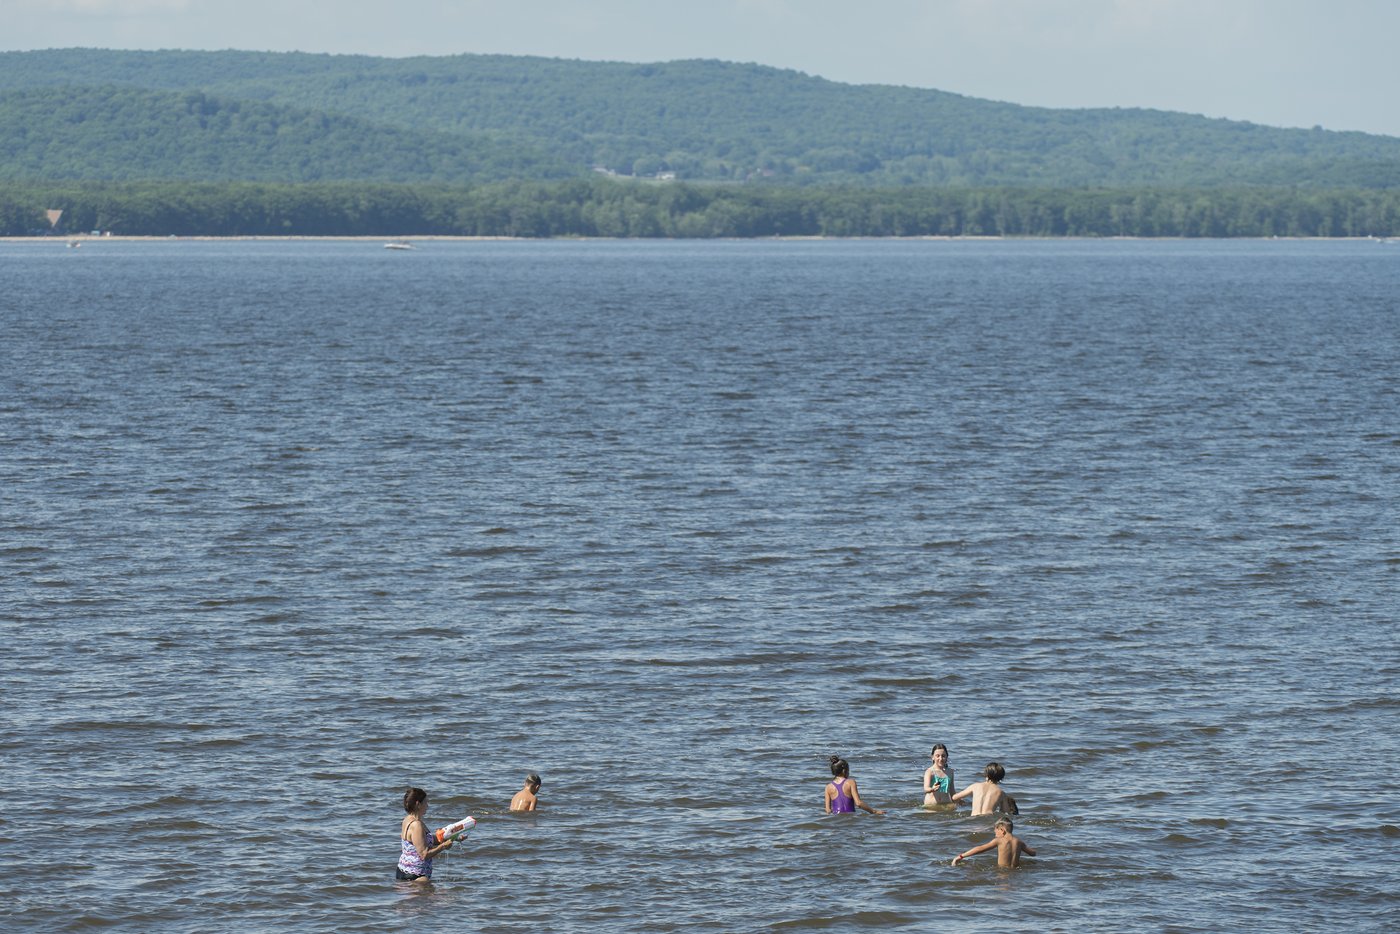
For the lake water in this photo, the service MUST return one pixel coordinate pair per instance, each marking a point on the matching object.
(289, 526)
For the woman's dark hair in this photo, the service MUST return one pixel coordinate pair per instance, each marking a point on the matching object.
(936, 747)
(994, 772)
(413, 798)
(839, 767)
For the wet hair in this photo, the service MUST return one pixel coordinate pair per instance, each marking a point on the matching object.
(533, 779)
(1003, 822)
(936, 747)
(840, 767)
(413, 798)
(994, 772)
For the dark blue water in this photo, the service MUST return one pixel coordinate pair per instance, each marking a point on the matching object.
(289, 526)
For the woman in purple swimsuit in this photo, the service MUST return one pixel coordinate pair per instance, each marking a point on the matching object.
(416, 847)
(841, 794)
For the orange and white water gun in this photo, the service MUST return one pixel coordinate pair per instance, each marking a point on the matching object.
(454, 831)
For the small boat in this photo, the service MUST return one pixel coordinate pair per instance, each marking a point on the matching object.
(399, 245)
(73, 244)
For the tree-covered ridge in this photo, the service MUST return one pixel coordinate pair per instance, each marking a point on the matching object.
(716, 120)
(124, 133)
(605, 208)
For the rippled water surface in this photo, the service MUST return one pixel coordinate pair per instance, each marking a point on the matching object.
(290, 526)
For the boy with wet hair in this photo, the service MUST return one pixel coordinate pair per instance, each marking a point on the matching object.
(525, 799)
(1009, 847)
(987, 795)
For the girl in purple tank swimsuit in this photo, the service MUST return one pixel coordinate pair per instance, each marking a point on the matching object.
(842, 797)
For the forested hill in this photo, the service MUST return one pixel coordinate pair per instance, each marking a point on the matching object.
(115, 133)
(699, 119)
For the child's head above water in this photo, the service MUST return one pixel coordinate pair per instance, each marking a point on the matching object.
(839, 767)
(533, 780)
(937, 748)
(1003, 824)
(994, 772)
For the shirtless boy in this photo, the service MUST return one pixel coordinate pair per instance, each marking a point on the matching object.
(1009, 848)
(987, 796)
(525, 799)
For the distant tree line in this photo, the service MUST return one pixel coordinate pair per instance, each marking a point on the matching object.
(473, 119)
(129, 134)
(609, 208)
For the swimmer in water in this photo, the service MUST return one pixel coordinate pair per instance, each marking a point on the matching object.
(987, 795)
(841, 794)
(938, 778)
(525, 799)
(1009, 848)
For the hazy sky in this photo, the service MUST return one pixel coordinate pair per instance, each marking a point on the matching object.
(1279, 62)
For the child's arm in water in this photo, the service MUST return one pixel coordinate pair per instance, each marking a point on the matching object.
(966, 792)
(989, 845)
(855, 797)
(1025, 847)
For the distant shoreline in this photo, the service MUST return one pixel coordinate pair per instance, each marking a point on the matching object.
(65, 239)
(606, 209)
(61, 240)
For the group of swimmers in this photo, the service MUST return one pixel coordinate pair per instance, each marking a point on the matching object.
(417, 846)
(841, 796)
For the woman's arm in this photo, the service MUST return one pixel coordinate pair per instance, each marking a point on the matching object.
(419, 838)
(928, 777)
(855, 796)
(826, 798)
(975, 850)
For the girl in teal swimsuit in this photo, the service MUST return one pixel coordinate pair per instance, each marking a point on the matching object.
(938, 778)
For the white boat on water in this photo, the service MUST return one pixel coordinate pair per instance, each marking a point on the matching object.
(399, 245)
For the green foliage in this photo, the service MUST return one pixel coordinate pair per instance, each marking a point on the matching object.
(126, 134)
(605, 208)
(708, 120)
(19, 218)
